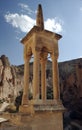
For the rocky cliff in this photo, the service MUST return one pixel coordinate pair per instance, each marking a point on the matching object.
(70, 80)
(11, 81)
(70, 83)
(70, 75)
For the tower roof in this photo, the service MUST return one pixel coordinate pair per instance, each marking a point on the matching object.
(39, 28)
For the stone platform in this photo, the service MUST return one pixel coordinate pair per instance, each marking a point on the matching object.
(43, 115)
(40, 121)
(38, 116)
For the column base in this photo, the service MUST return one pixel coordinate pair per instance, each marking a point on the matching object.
(26, 109)
(24, 100)
(50, 102)
(35, 106)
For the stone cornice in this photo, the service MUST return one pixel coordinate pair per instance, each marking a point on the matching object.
(38, 30)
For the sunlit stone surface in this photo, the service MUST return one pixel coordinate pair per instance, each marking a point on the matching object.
(43, 113)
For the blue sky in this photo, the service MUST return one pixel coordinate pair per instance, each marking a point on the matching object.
(17, 17)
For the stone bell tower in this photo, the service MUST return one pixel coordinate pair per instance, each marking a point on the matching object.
(39, 43)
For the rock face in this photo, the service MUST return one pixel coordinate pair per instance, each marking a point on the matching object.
(70, 78)
(10, 79)
(71, 82)
(5, 60)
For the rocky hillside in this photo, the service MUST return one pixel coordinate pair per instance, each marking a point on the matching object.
(70, 82)
(70, 77)
(11, 79)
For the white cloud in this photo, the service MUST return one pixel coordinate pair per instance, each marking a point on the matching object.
(25, 8)
(25, 23)
(53, 25)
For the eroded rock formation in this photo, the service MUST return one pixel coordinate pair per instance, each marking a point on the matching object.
(10, 79)
(71, 81)
(70, 77)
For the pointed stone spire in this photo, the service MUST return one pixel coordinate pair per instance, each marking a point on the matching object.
(39, 17)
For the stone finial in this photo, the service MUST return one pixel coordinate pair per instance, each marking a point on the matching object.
(39, 17)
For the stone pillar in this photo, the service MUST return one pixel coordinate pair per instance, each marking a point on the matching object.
(55, 77)
(36, 75)
(43, 79)
(26, 82)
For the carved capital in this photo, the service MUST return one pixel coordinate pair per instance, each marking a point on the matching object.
(26, 57)
(54, 57)
(43, 60)
(43, 56)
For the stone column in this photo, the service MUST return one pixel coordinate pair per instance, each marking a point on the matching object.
(36, 75)
(55, 77)
(43, 78)
(26, 82)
